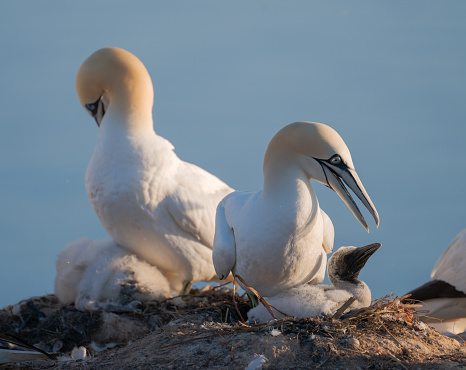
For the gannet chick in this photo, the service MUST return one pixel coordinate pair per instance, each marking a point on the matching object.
(444, 297)
(314, 300)
(98, 274)
(148, 200)
(279, 237)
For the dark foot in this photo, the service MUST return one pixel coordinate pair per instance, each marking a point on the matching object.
(253, 299)
(186, 288)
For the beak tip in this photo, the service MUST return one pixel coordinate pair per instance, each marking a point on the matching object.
(365, 226)
(377, 220)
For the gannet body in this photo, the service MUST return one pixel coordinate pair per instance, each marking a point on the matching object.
(148, 200)
(314, 300)
(444, 297)
(98, 274)
(279, 237)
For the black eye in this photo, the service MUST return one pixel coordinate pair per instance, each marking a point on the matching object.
(336, 159)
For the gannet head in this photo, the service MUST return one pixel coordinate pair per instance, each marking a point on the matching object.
(347, 262)
(323, 156)
(113, 76)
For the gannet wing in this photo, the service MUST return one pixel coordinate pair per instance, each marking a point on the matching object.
(224, 254)
(193, 203)
(451, 266)
(10, 355)
(435, 289)
(329, 233)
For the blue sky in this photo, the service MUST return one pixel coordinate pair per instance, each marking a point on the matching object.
(389, 76)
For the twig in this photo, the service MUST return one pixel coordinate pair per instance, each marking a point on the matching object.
(404, 297)
(221, 285)
(343, 308)
(189, 340)
(380, 321)
(235, 330)
(244, 324)
(397, 360)
(234, 300)
(266, 304)
(323, 362)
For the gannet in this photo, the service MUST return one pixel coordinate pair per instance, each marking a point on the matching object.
(444, 297)
(314, 300)
(99, 274)
(148, 200)
(279, 237)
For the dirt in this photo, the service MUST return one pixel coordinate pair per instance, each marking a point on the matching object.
(204, 330)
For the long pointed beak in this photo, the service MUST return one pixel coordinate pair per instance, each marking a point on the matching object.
(97, 110)
(358, 258)
(337, 178)
(97, 121)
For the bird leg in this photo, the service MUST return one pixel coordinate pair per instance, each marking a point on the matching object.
(253, 299)
(186, 287)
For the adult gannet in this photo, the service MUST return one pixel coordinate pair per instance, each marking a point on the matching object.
(313, 300)
(279, 237)
(98, 274)
(149, 201)
(444, 297)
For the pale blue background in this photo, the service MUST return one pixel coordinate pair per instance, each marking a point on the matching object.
(389, 76)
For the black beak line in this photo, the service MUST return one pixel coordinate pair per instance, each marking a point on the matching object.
(325, 172)
(342, 183)
(339, 179)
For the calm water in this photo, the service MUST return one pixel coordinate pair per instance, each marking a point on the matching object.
(389, 76)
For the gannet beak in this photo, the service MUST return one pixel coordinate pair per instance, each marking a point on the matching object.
(97, 110)
(357, 259)
(339, 175)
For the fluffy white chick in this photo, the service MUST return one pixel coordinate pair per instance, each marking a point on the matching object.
(319, 299)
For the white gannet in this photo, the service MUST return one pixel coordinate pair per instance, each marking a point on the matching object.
(313, 300)
(444, 297)
(98, 274)
(148, 200)
(279, 237)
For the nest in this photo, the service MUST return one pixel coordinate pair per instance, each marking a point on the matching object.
(205, 328)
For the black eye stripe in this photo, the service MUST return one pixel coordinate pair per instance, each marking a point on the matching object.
(328, 162)
(341, 164)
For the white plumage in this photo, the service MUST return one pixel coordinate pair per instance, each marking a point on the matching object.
(149, 201)
(314, 300)
(101, 275)
(279, 237)
(444, 297)
(451, 266)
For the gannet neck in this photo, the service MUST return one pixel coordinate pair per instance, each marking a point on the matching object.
(358, 290)
(120, 81)
(283, 173)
